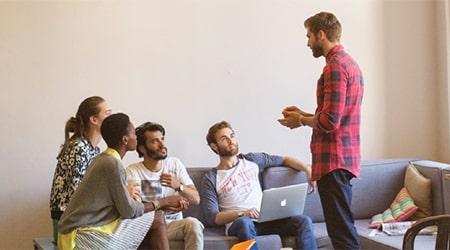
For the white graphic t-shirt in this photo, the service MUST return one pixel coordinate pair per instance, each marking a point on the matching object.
(238, 188)
(151, 188)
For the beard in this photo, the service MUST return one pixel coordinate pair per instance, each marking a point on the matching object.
(225, 152)
(155, 155)
(317, 50)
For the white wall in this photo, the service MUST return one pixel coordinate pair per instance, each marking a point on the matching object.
(410, 41)
(188, 64)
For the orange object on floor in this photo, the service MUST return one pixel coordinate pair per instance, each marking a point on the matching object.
(245, 245)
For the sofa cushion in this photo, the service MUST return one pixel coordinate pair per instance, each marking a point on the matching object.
(419, 187)
(400, 209)
(371, 240)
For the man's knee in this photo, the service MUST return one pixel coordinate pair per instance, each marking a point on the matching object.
(193, 224)
(244, 225)
(303, 221)
(158, 221)
(244, 222)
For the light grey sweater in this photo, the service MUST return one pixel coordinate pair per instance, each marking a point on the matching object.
(101, 197)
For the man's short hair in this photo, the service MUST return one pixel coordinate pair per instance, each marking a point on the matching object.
(114, 128)
(211, 136)
(327, 22)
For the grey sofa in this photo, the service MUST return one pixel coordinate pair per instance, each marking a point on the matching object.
(380, 182)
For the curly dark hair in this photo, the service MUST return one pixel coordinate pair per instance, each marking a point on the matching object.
(140, 133)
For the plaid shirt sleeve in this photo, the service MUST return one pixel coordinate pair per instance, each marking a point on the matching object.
(333, 94)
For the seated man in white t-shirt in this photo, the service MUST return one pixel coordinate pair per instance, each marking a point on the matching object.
(231, 193)
(162, 176)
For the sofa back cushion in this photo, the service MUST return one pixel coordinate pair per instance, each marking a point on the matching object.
(378, 185)
(196, 175)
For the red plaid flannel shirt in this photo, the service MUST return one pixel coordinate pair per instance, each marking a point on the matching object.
(335, 142)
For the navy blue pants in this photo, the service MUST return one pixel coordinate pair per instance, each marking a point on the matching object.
(335, 191)
(299, 226)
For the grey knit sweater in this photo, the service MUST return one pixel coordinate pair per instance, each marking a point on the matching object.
(101, 197)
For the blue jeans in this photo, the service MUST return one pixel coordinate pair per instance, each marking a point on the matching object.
(335, 191)
(299, 226)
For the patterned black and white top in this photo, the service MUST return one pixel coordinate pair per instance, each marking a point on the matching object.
(70, 169)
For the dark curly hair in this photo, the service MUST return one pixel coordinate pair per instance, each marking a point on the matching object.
(140, 133)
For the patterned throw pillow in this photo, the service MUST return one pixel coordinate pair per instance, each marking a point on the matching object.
(401, 209)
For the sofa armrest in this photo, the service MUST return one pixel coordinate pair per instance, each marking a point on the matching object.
(440, 185)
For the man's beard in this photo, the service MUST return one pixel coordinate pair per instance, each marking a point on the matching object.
(224, 152)
(154, 154)
(317, 50)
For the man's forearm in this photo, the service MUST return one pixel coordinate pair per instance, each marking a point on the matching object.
(308, 120)
(191, 193)
(223, 218)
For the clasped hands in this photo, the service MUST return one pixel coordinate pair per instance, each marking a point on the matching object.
(291, 117)
(173, 203)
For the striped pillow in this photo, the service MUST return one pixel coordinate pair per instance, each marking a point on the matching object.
(401, 209)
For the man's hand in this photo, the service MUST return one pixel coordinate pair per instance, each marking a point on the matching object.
(291, 117)
(169, 180)
(252, 213)
(174, 203)
(134, 188)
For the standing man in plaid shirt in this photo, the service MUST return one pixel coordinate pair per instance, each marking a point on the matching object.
(335, 141)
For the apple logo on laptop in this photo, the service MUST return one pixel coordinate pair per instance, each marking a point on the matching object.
(283, 203)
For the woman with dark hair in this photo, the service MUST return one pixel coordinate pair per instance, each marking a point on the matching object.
(81, 137)
(102, 213)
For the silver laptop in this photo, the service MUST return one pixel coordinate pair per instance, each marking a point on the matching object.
(282, 202)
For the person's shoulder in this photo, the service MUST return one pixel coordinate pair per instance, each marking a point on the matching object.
(339, 56)
(136, 165)
(211, 172)
(209, 178)
(173, 161)
(80, 142)
(105, 157)
(76, 145)
(81, 146)
(105, 162)
(252, 156)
